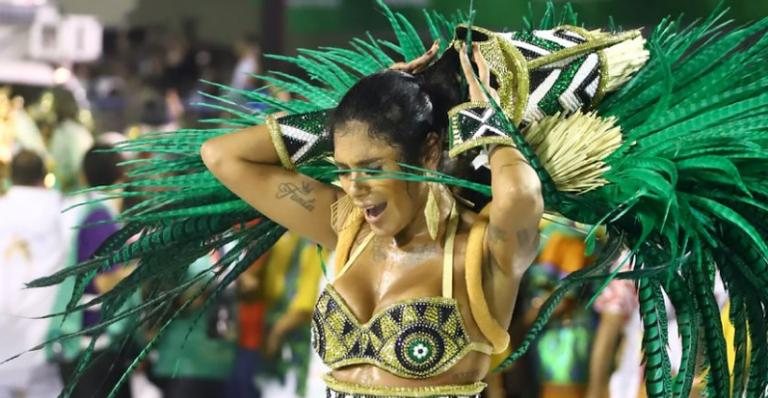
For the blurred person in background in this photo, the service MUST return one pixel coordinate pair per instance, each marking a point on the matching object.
(616, 366)
(7, 138)
(86, 228)
(561, 354)
(31, 246)
(289, 288)
(248, 51)
(21, 132)
(17, 132)
(194, 355)
(250, 337)
(69, 141)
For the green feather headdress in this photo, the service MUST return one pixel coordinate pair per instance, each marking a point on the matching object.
(680, 181)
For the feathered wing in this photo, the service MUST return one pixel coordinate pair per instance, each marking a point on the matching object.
(686, 189)
(691, 171)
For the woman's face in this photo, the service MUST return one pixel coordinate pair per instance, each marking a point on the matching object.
(389, 205)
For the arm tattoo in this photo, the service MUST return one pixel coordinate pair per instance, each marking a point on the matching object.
(496, 233)
(301, 194)
(525, 238)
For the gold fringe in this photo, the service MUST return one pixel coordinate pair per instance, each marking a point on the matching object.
(572, 148)
(340, 213)
(346, 220)
(423, 391)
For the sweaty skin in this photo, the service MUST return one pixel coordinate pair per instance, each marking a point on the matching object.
(402, 261)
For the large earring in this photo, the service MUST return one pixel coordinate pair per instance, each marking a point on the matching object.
(340, 212)
(432, 213)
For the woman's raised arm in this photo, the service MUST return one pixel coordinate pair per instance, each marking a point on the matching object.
(247, 163)
(517, 204)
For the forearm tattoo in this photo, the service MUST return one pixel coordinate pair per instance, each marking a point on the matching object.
(301, 194)
(526, 238)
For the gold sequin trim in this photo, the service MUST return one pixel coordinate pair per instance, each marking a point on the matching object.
(498, 140)
(509, 67)
(416, 392)
(518, 79)
(467, 105)
(453, 117)
(277, 141)
(583, 48)
(602, 62)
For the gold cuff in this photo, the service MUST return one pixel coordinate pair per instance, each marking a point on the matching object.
(453, 118)
(277, 142)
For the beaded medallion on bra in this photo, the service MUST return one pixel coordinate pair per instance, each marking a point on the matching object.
(416, 338)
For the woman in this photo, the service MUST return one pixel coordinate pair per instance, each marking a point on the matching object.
(385, 120)
(662, 140)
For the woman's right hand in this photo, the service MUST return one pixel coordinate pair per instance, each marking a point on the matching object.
(483, 79)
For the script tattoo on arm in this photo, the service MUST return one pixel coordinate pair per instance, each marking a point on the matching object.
(300, 194)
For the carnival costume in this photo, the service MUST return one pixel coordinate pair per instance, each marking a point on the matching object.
(662, 140)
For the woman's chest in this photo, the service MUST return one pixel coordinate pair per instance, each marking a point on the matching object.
(379, 279)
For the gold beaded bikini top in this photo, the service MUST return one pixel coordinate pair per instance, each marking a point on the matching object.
(416, 338)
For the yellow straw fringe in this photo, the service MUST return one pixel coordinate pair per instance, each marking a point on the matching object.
(623, 60)
(572, 148)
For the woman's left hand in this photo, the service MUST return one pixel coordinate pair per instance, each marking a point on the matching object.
(483, 78)
(418, 64)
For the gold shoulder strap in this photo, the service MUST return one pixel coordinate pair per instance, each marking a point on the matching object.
(358, 250)
(450, 238)
(473, 272)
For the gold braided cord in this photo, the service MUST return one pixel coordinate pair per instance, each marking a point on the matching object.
(473, 274)
(572, 148)
(583, 48)
(603, 62)
(415, 392)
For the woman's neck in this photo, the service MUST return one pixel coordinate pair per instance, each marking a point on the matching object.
(417, 230)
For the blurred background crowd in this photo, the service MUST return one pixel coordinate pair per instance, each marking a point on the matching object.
(78, 77)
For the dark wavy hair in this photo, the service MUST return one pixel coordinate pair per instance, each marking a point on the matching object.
(101, 165)
(402, 109)
(27, 169)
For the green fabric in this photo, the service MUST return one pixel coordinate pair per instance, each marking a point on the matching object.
(186, 351)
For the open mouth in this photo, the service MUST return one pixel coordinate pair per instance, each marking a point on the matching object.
(373, 213)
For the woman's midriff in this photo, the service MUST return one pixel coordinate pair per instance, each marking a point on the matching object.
(470, 369)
